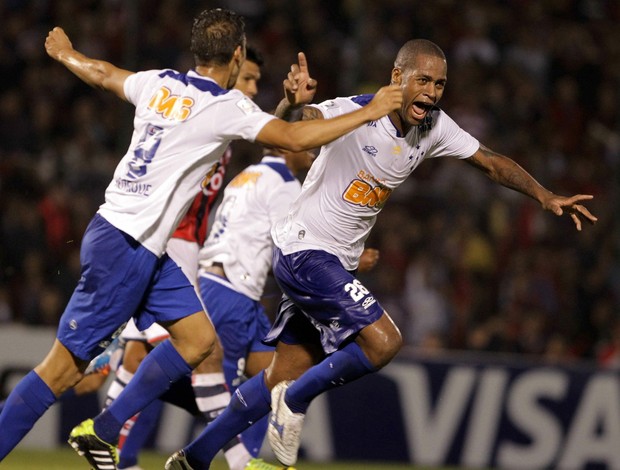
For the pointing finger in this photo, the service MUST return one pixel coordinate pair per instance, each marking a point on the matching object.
(303, 63)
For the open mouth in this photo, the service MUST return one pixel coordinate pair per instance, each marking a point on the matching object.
(419, 109)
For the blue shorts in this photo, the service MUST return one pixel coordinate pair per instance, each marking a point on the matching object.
(319, 294)
(121, 279)
(240, 323)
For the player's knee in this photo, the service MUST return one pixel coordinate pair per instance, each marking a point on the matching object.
(392, 346)
(213, 361)
(381, 344)
(206, 345)
(135, 352)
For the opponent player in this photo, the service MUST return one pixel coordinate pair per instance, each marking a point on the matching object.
(330, 330)
(183, 123)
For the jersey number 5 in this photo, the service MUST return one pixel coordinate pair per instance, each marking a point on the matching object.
(144, 151)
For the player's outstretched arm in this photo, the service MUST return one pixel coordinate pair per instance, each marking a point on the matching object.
(306, 135)
(508, 173)
(96, 73)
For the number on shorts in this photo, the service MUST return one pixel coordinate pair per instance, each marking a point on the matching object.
(356, 290)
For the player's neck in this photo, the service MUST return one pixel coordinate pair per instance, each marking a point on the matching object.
(221, 74)
(401, 125)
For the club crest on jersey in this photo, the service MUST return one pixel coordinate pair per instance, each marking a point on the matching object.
(417, 156)
(370, 150)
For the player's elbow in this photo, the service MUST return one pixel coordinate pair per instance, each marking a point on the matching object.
(295, 146)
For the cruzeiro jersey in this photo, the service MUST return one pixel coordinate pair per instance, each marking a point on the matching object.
(240, 236)
(183, 123)
(353, 177)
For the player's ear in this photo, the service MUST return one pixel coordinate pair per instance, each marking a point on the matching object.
(239, 55)
(397, 76)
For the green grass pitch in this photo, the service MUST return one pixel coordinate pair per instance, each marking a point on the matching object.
(67, 459)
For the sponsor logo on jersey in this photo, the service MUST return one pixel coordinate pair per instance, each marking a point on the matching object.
(366, 191)
(245, 177)
(370, 150)
(169, 106)
(207, 179)
(368, 301)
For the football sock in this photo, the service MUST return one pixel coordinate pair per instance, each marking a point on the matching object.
(23, 407)
(121, 379)
(212, 398)
(143, 425)
(211, 393)
(250, 402)
(343, 366)
(254, 436)
(162, 366)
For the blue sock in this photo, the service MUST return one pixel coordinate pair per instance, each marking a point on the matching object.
(139, 434)
(254, 436)
(162, 366)
(249, 403)
(343, 366)
(23, 407)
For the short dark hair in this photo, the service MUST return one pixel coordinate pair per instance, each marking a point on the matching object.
(415, 47)
(216, 34)
(253, 55)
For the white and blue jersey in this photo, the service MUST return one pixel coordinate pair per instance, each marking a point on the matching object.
(240, 241)
(240, 236)
(353, 177)
(320, 240)
(183, 124)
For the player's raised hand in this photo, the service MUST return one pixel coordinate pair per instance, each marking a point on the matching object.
(57, 42)
(389, 98)
(559, 204)
(299, 87)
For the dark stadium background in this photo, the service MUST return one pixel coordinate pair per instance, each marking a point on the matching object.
(465, 265)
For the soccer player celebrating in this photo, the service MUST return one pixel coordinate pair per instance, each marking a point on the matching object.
(183, 123)
(330, 329)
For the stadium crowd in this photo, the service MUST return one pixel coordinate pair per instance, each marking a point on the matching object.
(478, 267)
